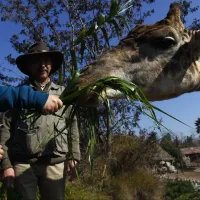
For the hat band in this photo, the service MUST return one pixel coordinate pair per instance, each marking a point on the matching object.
(38, 51)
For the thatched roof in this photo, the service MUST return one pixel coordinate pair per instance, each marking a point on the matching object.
(161, 154)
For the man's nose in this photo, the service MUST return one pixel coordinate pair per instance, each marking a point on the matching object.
(43, 65)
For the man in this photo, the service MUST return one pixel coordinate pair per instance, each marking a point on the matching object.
(36, 153)
(26, 97)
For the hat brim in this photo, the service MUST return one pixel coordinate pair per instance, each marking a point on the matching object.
(23, 62)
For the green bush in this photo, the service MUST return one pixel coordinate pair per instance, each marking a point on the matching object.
(178, 190)
(193, 196)
(10, 194)
(77, 190)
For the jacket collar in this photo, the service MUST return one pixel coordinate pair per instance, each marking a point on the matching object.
(52, 85)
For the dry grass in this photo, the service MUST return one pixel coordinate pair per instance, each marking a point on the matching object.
(135, 184)
(121, 177)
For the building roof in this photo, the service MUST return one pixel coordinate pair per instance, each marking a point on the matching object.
(190, 150)
(161, 154)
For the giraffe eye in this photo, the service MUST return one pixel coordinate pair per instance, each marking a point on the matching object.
(168, 41)
(164, 43)
(169, 38)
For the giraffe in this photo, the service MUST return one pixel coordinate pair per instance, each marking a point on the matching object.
(163, 59)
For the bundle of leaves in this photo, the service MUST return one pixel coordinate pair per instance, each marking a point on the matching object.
(71, 95)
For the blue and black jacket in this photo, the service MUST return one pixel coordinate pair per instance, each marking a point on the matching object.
(21, 97)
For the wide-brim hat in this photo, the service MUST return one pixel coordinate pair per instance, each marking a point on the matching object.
(38, 50)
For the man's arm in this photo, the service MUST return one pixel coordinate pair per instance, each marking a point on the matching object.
(1, 152)
(5, 141)
(26, 97)
(75, 150)
(5, 137)
(74, 132)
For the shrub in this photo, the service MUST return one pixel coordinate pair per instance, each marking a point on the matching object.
(192, 196)
(177, 189)
(135, 184)
(80, 191)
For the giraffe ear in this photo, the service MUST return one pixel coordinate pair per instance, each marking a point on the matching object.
(173, 17)
(174, 14)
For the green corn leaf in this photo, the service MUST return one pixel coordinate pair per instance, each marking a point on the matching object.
(105, 36)
(127, 89)
(113, 8)
(117, 29)
(74, 60)
(123, 10)
(158, 109)
(60, 76)
(82, 49)
(81, 36)
(71, 85)
(101, 20)
(95, 40)
(91, 30)
(124, 21)
(124, 6)
(158, 123)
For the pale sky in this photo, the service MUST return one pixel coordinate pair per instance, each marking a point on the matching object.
(186, 107)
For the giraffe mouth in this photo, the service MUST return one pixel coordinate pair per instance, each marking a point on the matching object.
(96, 97)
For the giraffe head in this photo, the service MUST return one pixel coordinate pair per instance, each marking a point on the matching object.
(163, 59)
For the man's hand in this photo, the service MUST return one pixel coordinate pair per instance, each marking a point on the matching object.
(8, 179)
(52, 104)
(71, 169)
(1, 152)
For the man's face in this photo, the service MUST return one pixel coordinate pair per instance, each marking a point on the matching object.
(40, 68)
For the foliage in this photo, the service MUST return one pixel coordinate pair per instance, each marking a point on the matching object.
(187, 9)
(189, 141)
(77, 190)
(125, 173)
(177, 189)
(170, 146)
(191, 196)
(8, 194)
(197, 124)
(125, 117)
(130, 152)
(80, 29)
(134, 184)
